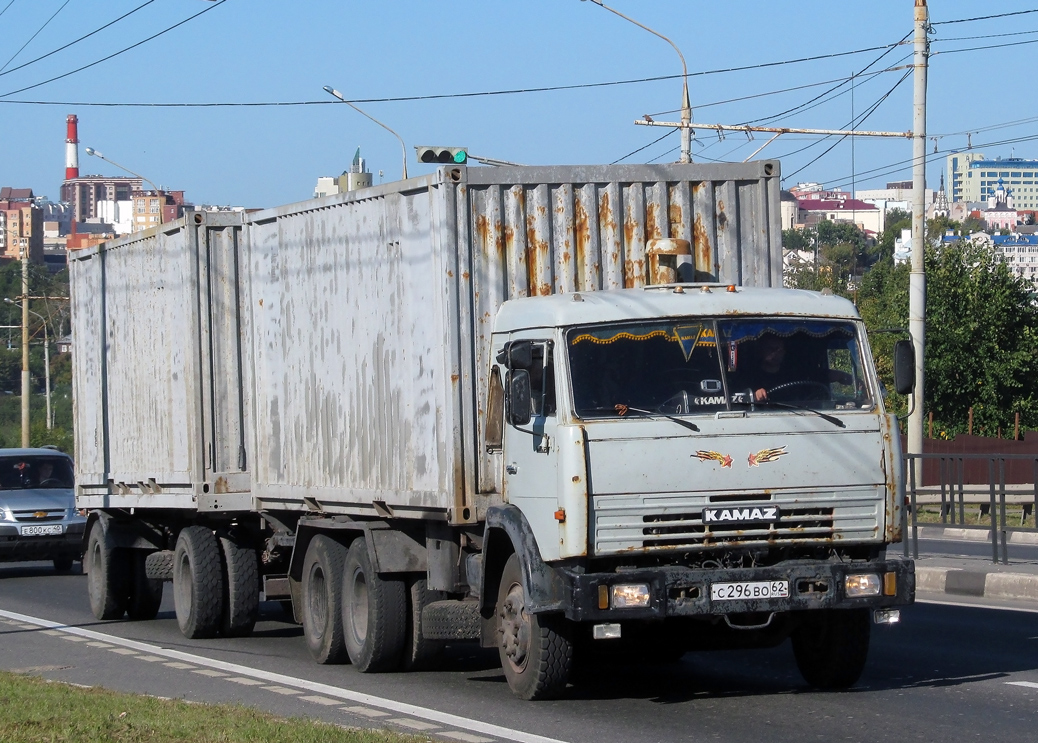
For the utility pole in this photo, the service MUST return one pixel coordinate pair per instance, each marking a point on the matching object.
(25, 346)
(917, 277)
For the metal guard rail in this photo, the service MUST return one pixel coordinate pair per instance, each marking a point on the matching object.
(953, 490)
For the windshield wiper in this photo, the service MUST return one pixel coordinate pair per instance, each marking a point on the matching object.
(623, 410)
(832, 419)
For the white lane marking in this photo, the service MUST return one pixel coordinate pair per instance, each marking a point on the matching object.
(245, 681)
(149, 658)
(413, 724)
(977, 605)
(72, 638)
(209, 672)
(52, 632)
(180, 666)
(1028, 684)
(366, 711)
(317, 699)
(122, 651)
(278, 689)
(348, 695)
(465, 737)
(96, 644)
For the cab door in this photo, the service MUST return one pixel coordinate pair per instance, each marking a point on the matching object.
(530, 445)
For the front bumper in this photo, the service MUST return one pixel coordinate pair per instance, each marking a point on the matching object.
(685, 592)
(14, 547)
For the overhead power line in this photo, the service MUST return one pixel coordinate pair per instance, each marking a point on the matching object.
(73, 43)
(38, 32)
(215, 5)
(983, 17)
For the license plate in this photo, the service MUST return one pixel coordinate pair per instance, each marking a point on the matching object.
(763, 589)
(41, 530)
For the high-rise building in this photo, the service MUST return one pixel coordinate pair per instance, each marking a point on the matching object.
(979, 179)
(21, 224)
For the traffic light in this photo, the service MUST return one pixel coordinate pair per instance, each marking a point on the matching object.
(456, 155)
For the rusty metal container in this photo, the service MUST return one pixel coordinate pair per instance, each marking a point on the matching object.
(332, 355)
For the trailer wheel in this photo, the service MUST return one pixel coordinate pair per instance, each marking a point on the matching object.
(322, 596)
(198, 588)
(420, 654)
(241, 603)
(108, 578)
(145, 593)
(374, 614)
(536, 650)
(831, 647)
(63, 563)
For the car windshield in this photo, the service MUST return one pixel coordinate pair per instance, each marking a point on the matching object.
(708, 365)
(21, 473)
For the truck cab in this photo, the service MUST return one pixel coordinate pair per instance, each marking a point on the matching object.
(696, 454)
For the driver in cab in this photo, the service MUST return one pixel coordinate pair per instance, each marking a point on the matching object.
(777, 369)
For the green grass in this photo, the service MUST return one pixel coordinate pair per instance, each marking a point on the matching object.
(38, 711)
(932, 515)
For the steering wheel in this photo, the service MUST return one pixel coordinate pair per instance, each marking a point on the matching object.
(49, 481)
(804, 383)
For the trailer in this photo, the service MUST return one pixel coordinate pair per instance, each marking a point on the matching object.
(494, 404)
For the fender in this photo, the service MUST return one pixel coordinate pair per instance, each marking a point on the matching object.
(133, 534)
(390, 550)
(507, 531)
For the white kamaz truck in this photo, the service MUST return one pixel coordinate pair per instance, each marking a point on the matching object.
(548, 409)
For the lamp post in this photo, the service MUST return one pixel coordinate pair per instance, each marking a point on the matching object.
(403, 149)
(686, 106)
(95, 153)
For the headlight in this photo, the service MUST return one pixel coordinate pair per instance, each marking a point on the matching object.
(631, 596)
(862, 584)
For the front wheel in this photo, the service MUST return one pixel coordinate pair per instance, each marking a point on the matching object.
(831, 647)
(536, 650)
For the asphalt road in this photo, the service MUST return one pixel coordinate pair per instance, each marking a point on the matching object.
(946, 673)
(963, 548)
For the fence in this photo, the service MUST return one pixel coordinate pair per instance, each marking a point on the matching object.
(955, 480)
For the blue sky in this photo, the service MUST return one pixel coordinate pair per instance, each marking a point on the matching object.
(262, 51)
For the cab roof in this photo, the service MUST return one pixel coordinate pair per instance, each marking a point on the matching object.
(676, 300)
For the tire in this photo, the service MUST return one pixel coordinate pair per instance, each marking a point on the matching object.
(322, 596)
(145, 596)
(831, 647)
(108, 575)
(536, 650)
(374, 614)
(420, 654)
(198, 583)
(63, 563)
(241, 602)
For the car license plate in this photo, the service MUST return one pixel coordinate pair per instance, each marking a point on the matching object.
(763, 589)
(41, 530)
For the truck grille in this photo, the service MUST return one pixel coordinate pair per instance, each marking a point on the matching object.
(625, 523)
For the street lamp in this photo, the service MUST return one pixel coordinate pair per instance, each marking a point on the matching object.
(95, 153)
(686, 106)
(403, 149)
(46, 359)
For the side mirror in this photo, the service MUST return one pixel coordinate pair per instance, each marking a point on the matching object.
(520, 404)
(904, 367)
(520, 355)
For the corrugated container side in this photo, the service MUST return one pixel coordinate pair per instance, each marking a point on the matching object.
(350, 354)
(538, 231)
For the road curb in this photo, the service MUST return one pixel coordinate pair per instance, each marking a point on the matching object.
(974, 535)
(977, 583)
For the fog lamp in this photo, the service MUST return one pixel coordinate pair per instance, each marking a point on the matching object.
(886, 616)
(631, 596)
(862, 584)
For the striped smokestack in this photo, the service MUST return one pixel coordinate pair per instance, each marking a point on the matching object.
(72, 148)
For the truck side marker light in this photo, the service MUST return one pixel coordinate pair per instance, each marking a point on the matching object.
(890, 584)
(560, 515)
(603, 597)
(731, 289)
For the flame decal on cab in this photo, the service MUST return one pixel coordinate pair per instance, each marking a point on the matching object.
(765, 455)
(724, 460)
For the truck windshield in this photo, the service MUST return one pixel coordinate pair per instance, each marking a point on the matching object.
(707, 365)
